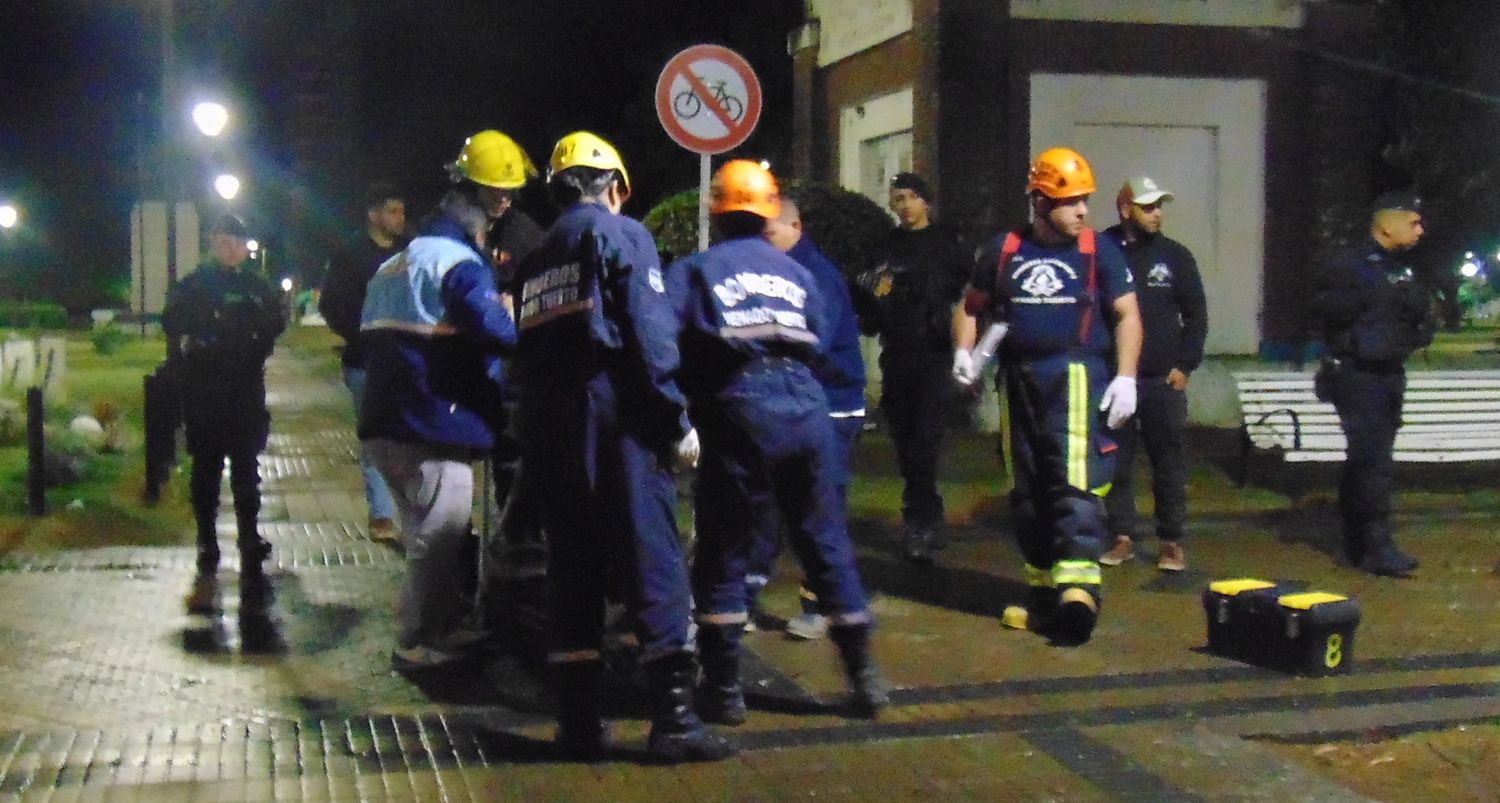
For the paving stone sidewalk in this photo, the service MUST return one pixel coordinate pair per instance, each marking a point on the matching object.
(108, 690)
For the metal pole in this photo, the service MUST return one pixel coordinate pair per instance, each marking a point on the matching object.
(703, 179)
(36, 496)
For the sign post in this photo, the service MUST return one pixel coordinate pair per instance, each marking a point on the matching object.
(708, 100)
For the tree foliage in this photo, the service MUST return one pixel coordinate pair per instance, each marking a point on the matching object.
(847, 226)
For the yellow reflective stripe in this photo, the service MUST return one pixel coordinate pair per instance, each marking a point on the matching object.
(1078, 426)
(1102, 490)
(1076, 573)
(1038, 578)
(805, 593)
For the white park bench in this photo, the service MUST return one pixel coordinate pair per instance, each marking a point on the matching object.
(1448, 417)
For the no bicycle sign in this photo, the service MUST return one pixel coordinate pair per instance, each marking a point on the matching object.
(708, 99)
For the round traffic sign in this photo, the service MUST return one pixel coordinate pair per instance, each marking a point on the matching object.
(708, 99)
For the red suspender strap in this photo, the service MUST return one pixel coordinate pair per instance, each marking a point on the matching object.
(1008, 250)
(976, 302)
(1087, 247)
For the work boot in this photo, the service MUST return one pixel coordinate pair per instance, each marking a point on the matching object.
(1173, 557)
(1037, 614)
(916, 545)
(677, 734)
(1122, 551)
(1077, 613)
(721, 697)
(868, 692)
(581, 733)
(253, 549)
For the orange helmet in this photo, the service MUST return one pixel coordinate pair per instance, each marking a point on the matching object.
(744, 186)
(1060, 173)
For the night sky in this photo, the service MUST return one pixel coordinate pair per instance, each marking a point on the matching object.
(82, 99)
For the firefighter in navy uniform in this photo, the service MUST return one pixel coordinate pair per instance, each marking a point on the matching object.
(1058, 287)
(1374, 315)
(221, 324)
(601, 424)
(751, 322)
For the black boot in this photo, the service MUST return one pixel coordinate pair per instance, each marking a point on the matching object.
(1077, 613)
(581, 735)
(677, 734)
(868, 692)
(721, 698)
(253, 549)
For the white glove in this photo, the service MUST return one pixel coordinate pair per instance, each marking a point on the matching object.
(964, 369)
(1119, 400)
(688, 450)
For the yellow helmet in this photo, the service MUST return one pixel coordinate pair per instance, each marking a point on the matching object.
(494, 160)
(584, 149)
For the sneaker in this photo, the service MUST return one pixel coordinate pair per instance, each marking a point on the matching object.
(383, 529)
(1119, 553)
(807, 626)
(1173, 557)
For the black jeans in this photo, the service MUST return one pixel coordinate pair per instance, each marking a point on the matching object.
(916, 388)
(1160, 423)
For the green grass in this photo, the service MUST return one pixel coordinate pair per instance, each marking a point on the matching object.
(113, 512)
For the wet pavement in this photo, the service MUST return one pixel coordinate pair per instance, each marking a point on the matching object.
(109, 690)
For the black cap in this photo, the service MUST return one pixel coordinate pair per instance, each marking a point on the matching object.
(913, 182)
(230, 225)
(1398, 200)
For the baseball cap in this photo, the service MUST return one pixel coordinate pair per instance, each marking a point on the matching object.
(913, 182)
(230, 225)
(1144, 191)
(1398, 200)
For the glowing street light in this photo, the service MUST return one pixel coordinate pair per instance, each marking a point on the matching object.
(227, 185)
(1469, 269)
(253, 245)
(286, 285)
(211, 118)
(9, 217)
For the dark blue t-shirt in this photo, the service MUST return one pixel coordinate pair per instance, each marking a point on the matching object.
(1042, 293)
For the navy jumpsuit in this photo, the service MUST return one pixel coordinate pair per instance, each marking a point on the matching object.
(751, 322)
(1055, 375)
(599, 418)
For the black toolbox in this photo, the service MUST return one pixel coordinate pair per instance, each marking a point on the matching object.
(1256, 621)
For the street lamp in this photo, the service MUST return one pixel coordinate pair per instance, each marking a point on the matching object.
(227, 185)
(211, 118)
(8, 216)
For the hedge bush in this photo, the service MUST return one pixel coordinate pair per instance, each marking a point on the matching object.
(32, 315)
(847, 226)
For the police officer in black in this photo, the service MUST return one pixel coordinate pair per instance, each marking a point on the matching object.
(1374, 315)
(909, 301)
(221, 324)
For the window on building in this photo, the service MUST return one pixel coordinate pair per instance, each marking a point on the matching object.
(880, 159)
